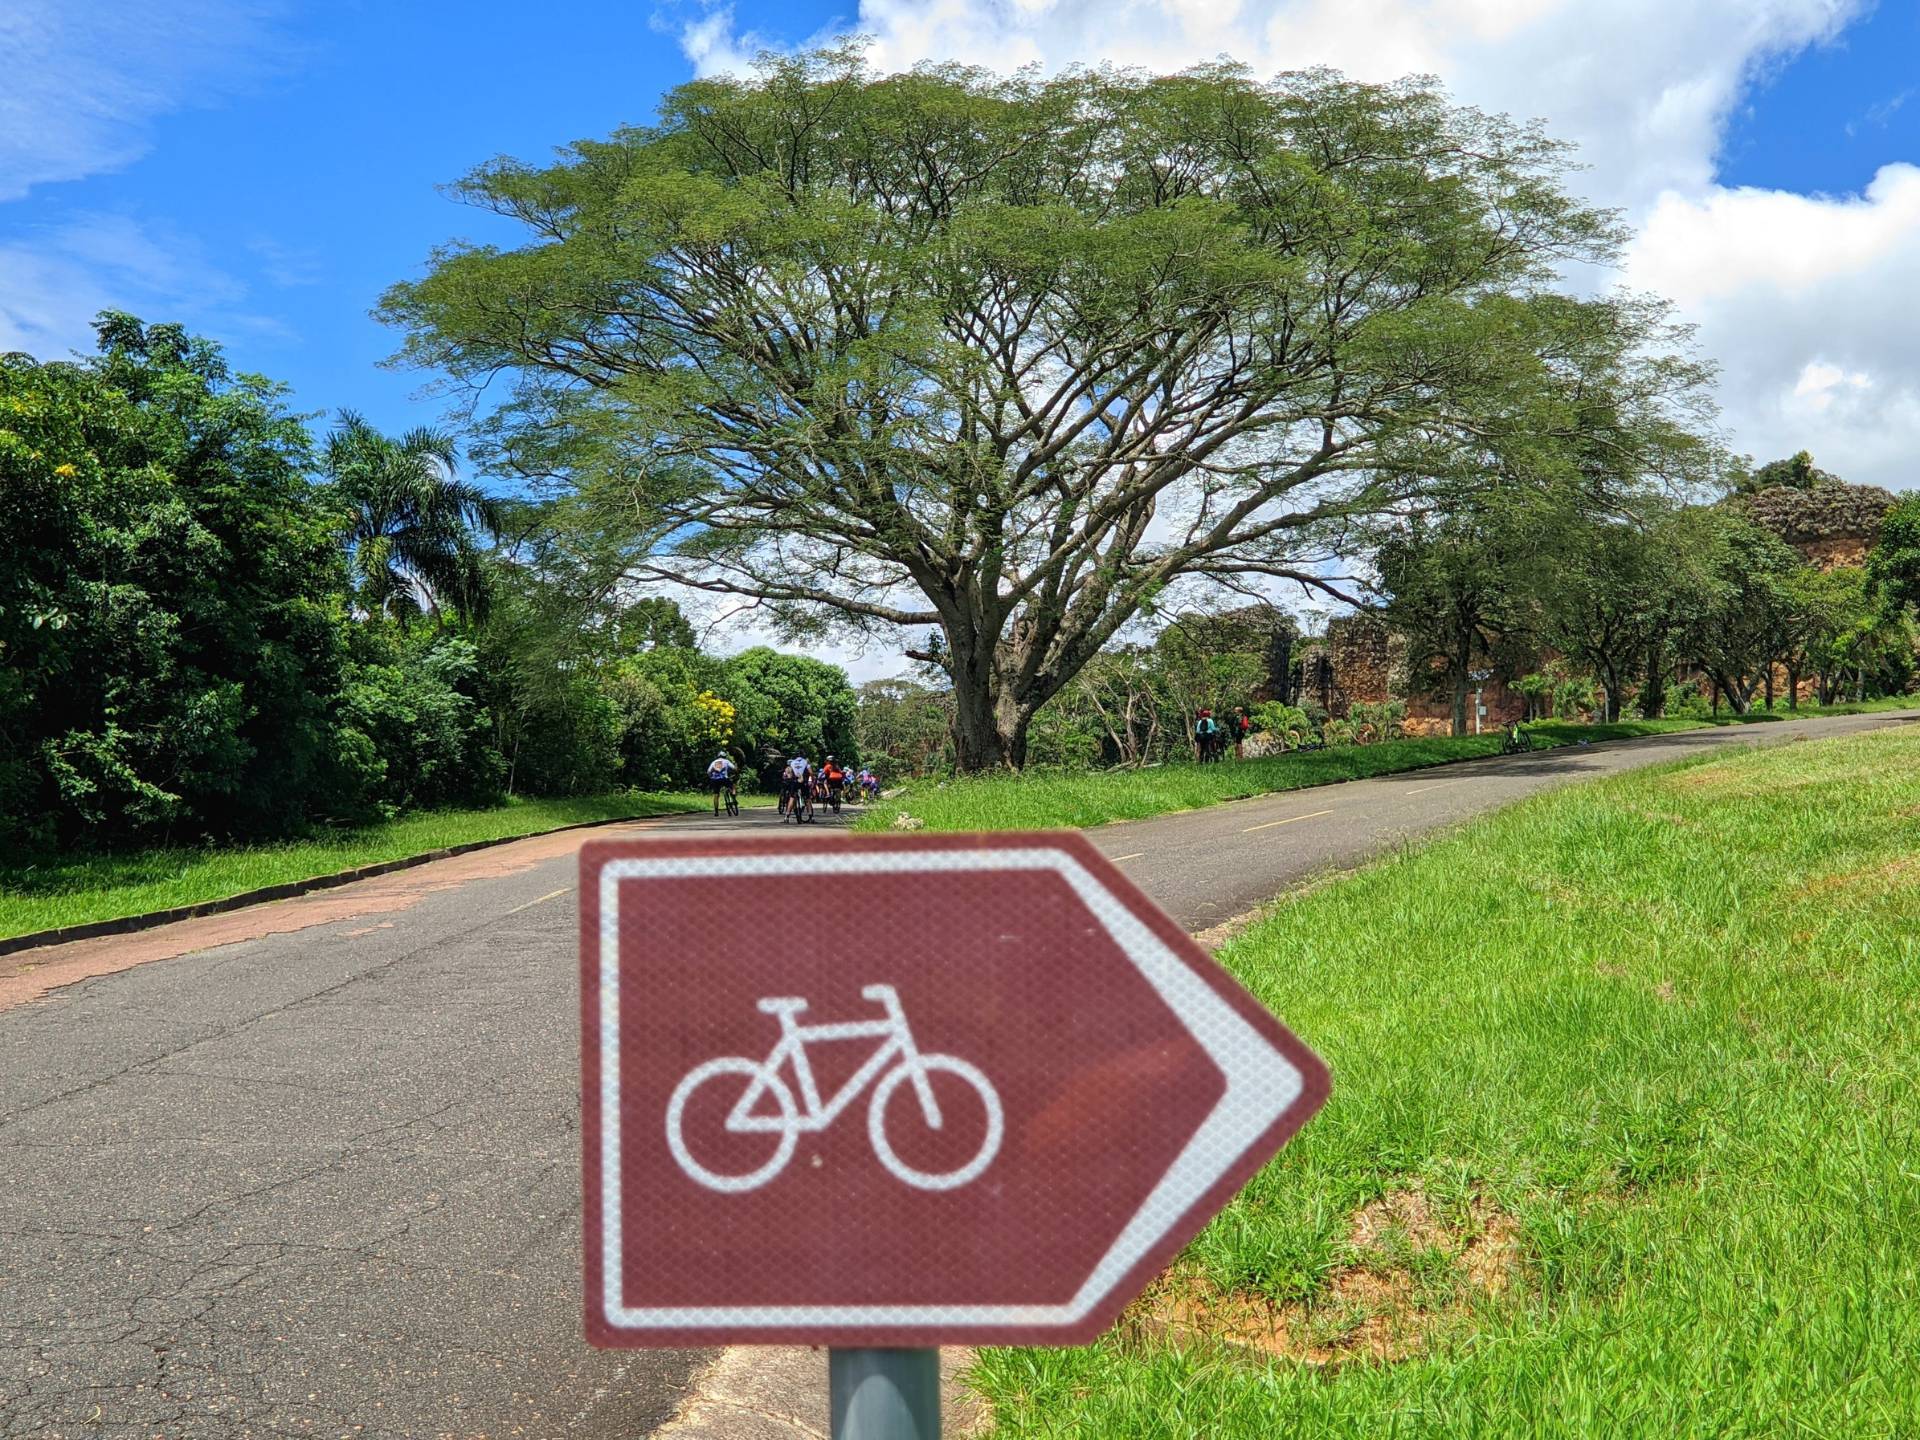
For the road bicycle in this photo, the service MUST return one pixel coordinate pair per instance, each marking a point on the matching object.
(733, 803)
(897, 1063)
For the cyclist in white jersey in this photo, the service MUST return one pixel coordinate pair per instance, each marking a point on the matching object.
(793, 780)
(720, 777)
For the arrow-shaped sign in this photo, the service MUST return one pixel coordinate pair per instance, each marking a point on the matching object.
(903, 1091)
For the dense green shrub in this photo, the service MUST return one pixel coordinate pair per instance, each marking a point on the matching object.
(1286, 723)
(169, 610)
(1373, 722)
(429, 742)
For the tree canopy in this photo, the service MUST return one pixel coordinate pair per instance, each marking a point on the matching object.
(1007, 357)
(169, 606)
(415, 528)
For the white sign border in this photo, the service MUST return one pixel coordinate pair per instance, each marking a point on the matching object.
(1261, 1085)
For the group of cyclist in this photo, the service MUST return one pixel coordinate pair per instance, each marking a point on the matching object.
(800, 781)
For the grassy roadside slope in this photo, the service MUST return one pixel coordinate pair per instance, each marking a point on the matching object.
(105, 887)
(1622, 1138)
(1039, 800)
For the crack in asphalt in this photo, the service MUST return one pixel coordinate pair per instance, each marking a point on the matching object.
(373, 973)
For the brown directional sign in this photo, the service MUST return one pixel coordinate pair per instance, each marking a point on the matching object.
(902, 1090)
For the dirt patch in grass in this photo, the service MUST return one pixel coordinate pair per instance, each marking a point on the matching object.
(1412, 1267)
(1868, 880)
(1724, 780)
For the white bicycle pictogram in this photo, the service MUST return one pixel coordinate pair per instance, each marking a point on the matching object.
(792, 1121)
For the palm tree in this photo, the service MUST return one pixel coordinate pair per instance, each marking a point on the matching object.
(413, 527)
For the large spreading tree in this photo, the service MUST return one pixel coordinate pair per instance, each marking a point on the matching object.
(1005, 358)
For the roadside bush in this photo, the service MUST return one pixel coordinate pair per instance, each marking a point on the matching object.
(1374, 722)
(429, 742)
(169, 605)
(1288, 724)
(1687, 702)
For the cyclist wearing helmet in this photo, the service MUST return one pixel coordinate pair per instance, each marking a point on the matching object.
(720, 777)
(793, 781)
(834, 776)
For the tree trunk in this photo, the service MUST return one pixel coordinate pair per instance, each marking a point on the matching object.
(1653, 695)
(1610, 707)
(1793, 687)
(1769, 687)
(989, 729)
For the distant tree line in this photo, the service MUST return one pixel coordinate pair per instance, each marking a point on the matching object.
(1645, 595)
(212, 626)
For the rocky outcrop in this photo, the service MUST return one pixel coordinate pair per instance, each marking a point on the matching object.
(1831, 524)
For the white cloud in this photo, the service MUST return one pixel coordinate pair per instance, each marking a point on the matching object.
(1806, 303)
(53, 280)
(1820, 382)
(1776, 281)
(1722, 243)
(83, 79)
(81, 84)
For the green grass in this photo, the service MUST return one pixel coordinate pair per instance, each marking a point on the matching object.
(75, 890)
(1044, 799)
(1847, 707)
(1041, 799)
(1667, 1025)
(1568, 732)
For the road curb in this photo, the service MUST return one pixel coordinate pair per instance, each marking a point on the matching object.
(287, 890)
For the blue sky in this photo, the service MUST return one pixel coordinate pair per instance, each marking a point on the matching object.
(261, 169)
(1826, 121)
(305, 182)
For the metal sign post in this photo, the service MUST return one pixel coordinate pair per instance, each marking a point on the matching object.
(883, 1394)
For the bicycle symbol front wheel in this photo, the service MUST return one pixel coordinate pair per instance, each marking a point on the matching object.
(748, 1072)
(928, 1066)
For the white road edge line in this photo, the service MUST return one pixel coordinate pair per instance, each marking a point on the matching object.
(550, 895)
(1288, 821)
(1441, 786)
(1116, 859)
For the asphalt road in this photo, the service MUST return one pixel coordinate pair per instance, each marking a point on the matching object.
(313, 1169)
(1209, 866)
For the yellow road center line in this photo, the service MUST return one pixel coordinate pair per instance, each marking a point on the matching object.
(1441, 786)
(1288, 821)
(1135, 856)
(550, 895)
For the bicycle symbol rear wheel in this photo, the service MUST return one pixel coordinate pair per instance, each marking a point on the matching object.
(926, 1065)
(749, 1071)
